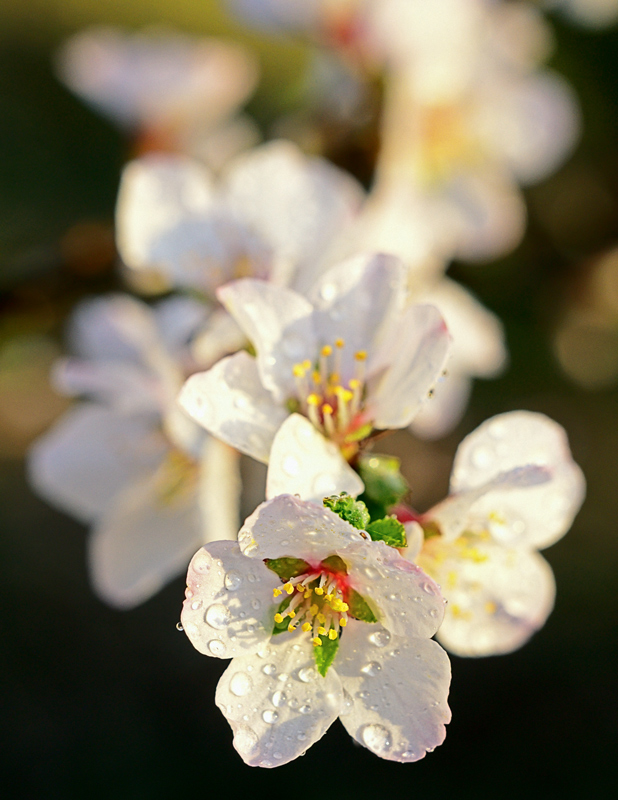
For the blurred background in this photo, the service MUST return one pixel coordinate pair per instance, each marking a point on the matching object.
(103, 703)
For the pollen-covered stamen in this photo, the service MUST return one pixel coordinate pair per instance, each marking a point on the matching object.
(316, 603)
(333, 405)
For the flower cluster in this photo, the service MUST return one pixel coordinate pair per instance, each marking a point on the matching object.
(306, 317)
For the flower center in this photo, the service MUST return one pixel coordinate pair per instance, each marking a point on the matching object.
(316, 604)
(333, 406)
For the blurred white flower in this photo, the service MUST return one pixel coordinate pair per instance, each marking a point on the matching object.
(349, 601)
(128, 461)
(176, 91)
(514, 489)
(353, 358)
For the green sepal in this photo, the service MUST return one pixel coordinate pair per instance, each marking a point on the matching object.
(388, 530)
(287, 568)
(385, 486)
(281, 627)
(359, 608)
(351, 510)
(325, 655)
(335, 564)
(292, 405)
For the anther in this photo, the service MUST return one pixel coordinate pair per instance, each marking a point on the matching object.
(288, 587)
(332, 634)
(278, 618)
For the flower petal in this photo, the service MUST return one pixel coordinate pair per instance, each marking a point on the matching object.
(228, 609)
(396, 694)
(497, 596)
(147, 536)
(415, 352)
(444, 409)
(536, 514)
(277, 703)
(406, 601)
(219, 490)
(279, 324)
(230, 402)
(287, 526)
(91, 455)
(302, 462)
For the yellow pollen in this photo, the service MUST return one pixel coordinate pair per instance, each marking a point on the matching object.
(313, 400)
(332, 634)
(490, 607)
(317, 641)
(277, 592)
(354, 383)
(300, 587)
(317, 378)
(328, 597)
(288, 587)
(314, 609)
(278, 618)
(343, 622)
(298, 371)
(291, 614)
(322, 631)
(334, 378)
(291, 627)
(318, 590)
(343, 607)
(321, 618)
(307, 594)
(339, 343)
(327, 409)
(360, 355)
(326, 350)
(306, 365)
(306, 627)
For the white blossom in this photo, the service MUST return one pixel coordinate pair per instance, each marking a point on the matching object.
(388, 681)
(514, 489)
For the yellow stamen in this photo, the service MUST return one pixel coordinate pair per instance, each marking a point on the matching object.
(313, 610)
(322, 631)
(298, 371)
(313, 400)
(291, 627)
(321, 618)
(360, 355)
(317, 641)
(332, 634)
(326, 350)
(277, 592)
(288, 587)
(278, 618)
(291, 613)
(306, 626)
(339, 343)
(317, 590)
(343, 622)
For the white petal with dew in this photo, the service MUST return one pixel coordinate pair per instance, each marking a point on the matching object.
(287, 526)
(146, 537)
(398, 692)
(228, 609)
(91, 455)
(276, 702)
(538, 515)
(302, 462)
(415, 353)
(405, 600)
(497, 596)
(278, 322)
(230, 402)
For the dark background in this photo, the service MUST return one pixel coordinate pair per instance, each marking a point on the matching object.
(107, 704)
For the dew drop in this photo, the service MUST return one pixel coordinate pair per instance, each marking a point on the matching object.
(408, 754)
(216, 647)
(232, 581)
(372, 668)
(348, 703)
(269, 669)
(196, 604)
(245, 740)
(241, 684)
(279, 699)
(371, 573)
(433, 613)
(269, 716)
(428, 587)
(482, 457)
(179, 626)
(328, 291)
(305, 709)
(302, 737)
(255, 604)
(377, 738)
(380, 638)
(218, 616)
(307, 674)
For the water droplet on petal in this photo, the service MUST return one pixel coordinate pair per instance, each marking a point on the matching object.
(290, 465)
(380, 638)
(255, 604)
(241, 684)
(279, 699)
(216, 647)
(305, 709)
(328, 291)
(245, 740)
(232, 581)
(179, 626)
(372, 668)
(269, 669)
(348, 703)
(407, 754)
(482, 457)
(371, 573)
(377, 738)
(302, 737)
(196, 604)
(218, 616)
(307, 674)
(269, 716)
